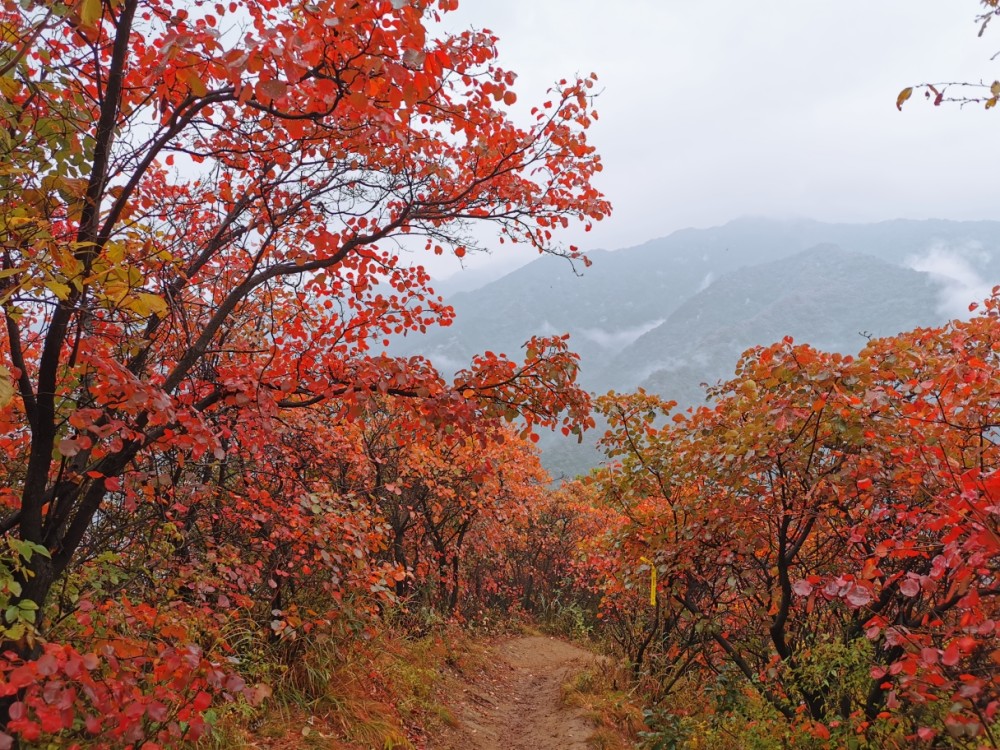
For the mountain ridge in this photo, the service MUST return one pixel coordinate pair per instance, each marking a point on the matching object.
(678, 311)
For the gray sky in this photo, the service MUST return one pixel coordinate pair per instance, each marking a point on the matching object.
(778, 108)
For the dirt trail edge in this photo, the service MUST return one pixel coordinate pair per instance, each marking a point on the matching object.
(517, 705)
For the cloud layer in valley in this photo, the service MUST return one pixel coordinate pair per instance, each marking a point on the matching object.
(955, 269)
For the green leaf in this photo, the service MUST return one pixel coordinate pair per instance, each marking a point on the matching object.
(14, 632)
(23, 549)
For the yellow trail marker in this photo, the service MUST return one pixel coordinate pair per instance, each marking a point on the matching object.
(652, 579)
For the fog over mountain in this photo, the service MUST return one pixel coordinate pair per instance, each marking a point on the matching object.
(677, 312)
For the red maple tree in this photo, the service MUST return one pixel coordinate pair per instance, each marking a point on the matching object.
(202, 221)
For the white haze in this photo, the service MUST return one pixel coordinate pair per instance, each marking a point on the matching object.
(703, 118)
(618, 340)
(953, 268)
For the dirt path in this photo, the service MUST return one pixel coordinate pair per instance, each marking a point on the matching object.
(517, 705)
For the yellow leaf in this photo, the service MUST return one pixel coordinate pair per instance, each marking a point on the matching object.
(995, 88)
(9, 33)
(193, 80)
(58, 288)
(652, 580)
(90, 12)
(115, 252)
(198, 87)
(6, 387)
(71, 188)
(148, 304)
(9, 86)
(903, 96)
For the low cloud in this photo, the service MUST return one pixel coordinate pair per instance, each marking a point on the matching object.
(955, 269)
(618, 340)
(706, 282)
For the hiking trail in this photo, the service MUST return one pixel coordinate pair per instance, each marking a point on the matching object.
(517, 704)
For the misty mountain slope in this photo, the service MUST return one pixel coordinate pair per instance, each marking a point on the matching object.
(604, 307)
(678, 311)
(628, 292)
(826, 296)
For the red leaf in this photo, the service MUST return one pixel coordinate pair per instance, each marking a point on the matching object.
(909, 587)
(802, 587)
(201, 701)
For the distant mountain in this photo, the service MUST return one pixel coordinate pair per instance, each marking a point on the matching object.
(678, 311)
(825, 296)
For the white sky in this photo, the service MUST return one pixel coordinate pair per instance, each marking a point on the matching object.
(780, 108)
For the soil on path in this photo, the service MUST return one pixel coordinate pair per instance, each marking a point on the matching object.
(517, 703)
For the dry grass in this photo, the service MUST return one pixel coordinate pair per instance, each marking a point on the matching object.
(347, 694)
(600, 692)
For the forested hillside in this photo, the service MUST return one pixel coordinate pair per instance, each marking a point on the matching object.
(619, 311)
(673, 316)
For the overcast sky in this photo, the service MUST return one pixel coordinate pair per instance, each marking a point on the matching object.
(779, 108)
